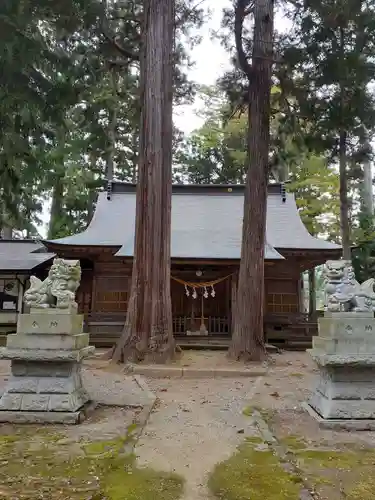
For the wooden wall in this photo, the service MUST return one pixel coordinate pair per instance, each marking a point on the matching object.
(282, 288)
(110, 288)
(104, 290)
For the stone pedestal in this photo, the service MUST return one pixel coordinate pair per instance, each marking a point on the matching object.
(345, 354)
(46, 355)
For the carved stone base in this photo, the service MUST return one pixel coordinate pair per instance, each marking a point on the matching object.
(46, 356)
(48, 386)
(47, 417)
(344, 352)
(344, 392)
(340, 424)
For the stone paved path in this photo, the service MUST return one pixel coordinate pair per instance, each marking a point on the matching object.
(196, 424)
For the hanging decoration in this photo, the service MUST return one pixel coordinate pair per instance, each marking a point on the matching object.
(192, 287)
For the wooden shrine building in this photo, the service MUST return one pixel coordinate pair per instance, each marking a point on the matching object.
(205, 250)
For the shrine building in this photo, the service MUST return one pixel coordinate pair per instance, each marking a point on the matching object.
(205, 252)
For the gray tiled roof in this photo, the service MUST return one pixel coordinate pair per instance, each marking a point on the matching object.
(22, 255)
(203, 225)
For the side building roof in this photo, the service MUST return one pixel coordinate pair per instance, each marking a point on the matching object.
(206, 223)
(22, 256)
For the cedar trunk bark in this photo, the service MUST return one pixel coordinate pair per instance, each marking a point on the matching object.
(234, 286)
(7, 232)
(54, 225)
(111, 132)
(344, 203)
(148, 327)
(248, 336)
(367, 196)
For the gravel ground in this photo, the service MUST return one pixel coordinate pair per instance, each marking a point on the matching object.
(115, 393)
(195, 424)
(287, 384)
(105, 382)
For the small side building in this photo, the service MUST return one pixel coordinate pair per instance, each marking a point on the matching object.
(205, 248)
(19, 259)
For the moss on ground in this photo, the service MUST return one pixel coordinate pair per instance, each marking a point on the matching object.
(33, 464)
(294, 443)
(253, 474)
(266, 414)
(347, 471)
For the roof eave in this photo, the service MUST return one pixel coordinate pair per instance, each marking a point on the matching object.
(25, 270)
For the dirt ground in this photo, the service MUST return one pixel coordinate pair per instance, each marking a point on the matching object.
(198, 423)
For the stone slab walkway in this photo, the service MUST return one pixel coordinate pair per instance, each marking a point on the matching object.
(200, 364)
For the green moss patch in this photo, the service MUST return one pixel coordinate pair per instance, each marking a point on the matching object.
(252, 474)
(293, 442)
(33, 464)
(345, 471)
(266, 414)
(348, 470)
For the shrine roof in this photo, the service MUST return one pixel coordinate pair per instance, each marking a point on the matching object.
(206, 222)
(22, 255)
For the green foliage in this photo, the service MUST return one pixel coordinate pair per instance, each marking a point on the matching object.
(316, 188)
(325, 106)
(216, 153)
(328, 60)
(69, 109)
(363, 255)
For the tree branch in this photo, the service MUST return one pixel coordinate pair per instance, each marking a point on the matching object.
(180, 20)
(242, 8)
(123, 51)
(113, 39)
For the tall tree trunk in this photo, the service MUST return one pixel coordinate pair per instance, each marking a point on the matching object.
(344, 202)
(6, 229)
(112, 127)
(55, 220)
(367, 194)
(148, 327)
(134, 157)
(7, 232)
(248, 336)
(54, 225)
(92, 188)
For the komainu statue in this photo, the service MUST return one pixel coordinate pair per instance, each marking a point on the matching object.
(343, 292)
(58, 290)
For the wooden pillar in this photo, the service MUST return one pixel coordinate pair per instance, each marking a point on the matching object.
(234, 283)
(312, 293)
(301, 294)
(21, 291)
